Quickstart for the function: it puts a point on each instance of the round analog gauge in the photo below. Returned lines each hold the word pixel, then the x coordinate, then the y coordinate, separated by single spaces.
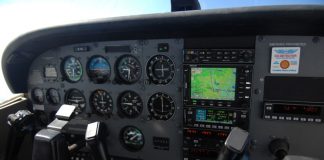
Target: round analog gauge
pixel 160 69
pixel 72 69
pixel 99 69
pixel 53 96
pixel 76 98
pixel 101 102
pixel 132 138
pixel 130 104
pixel 129 69
pixel 161 106
pixel 38 95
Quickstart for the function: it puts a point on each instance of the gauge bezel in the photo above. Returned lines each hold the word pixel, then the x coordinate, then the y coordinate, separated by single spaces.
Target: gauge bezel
pixel 118 75
pixel 150 73
pixel 121 138
pixel 95 109
pixel 159 116
pixel 120 110
pixel 33 96
pixel 64 74
pixel 68 92
pixel 92 78
pixel 49 99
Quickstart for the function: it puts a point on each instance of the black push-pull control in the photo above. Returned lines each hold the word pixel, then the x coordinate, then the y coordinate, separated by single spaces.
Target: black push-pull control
pixel 279 148
pixel 94 137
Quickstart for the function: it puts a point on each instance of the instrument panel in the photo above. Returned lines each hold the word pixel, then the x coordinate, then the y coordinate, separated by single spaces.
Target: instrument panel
pixel 132 86
pixel 165 99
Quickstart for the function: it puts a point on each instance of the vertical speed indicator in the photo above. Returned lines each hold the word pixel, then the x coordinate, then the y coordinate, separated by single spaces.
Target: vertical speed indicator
pixel 130 104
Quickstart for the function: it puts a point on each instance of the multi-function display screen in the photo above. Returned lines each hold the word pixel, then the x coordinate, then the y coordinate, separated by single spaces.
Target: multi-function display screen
pixel 297 110
pixel 213 83
pixel 214 116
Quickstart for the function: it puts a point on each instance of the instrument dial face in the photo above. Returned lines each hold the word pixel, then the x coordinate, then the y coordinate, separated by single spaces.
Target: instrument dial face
pixel 38 96
pixel 102 102
pixel 99 69
pixel 72 69
pixel 130 104
pixel 132 138
pixel 161 106
pixel 160 69
pixel 53 96
pixel 76 98
pixel 129 69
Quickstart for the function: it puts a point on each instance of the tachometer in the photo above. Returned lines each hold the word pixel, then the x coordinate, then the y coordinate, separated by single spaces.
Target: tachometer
pixel 101 102
pixel 132 138
pixel 130 104
pixel 76 98
pixel 160 69
pixel 72 69
pixel 129 69
pixel 99 69
pixel 161 106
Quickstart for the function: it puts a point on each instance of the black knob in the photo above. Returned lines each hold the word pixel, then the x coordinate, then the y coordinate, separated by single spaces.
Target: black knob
pixel 279 148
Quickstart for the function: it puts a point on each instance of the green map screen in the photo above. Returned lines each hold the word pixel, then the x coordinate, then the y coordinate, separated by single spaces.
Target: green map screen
pixel 213 83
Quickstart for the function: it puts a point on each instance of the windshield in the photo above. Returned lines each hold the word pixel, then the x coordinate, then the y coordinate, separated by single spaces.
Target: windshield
pixel 18 16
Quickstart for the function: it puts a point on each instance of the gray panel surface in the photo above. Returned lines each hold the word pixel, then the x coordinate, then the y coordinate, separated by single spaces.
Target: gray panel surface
pixel 305 138
pixel 143 50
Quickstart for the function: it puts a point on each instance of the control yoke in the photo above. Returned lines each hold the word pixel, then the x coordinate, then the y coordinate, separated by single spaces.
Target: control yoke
pixel 51 143
pixel 21 123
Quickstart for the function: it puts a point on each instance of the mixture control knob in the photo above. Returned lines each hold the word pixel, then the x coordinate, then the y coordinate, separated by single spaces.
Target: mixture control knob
pixel 279 148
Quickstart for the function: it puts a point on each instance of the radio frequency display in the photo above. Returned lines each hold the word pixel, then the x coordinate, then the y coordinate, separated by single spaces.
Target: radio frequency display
pixel 213 83
pixel 214 116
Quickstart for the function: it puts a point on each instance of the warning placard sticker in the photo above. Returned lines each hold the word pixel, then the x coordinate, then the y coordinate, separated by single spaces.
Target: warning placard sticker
pixel 285 60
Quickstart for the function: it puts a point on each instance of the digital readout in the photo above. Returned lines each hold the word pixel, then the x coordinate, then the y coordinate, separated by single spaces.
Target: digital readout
pixel 214 116
pixel 297 109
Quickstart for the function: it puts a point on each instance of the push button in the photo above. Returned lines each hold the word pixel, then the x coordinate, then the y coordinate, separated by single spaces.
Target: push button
pixel 163 47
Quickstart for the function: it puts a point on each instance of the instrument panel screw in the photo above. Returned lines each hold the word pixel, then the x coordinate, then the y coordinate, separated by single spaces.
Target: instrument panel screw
pixel 316 39
pixel 260 38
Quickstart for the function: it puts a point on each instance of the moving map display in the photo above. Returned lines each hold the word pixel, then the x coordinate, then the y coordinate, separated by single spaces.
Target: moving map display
pixel 213 83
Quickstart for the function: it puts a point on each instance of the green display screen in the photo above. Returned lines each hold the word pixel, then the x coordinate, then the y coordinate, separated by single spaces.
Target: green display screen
pixel 213 83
